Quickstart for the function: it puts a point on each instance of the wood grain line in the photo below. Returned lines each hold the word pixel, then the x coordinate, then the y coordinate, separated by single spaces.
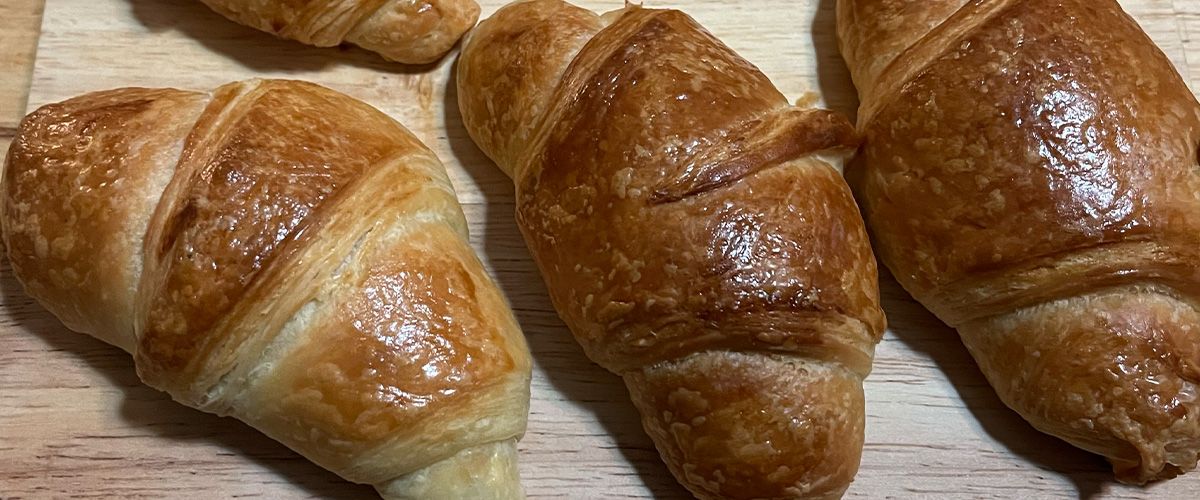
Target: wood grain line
pixel 20 26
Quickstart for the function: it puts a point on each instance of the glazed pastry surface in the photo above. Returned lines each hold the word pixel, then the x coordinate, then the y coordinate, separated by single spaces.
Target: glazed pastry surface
pixel 695 234
pixel 286 255
pixel 1030 175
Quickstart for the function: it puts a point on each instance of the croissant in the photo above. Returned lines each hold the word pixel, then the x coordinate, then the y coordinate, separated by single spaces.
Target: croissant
pixel 1030 175
pixel 286 255
pixel 406 31
pixel 694 234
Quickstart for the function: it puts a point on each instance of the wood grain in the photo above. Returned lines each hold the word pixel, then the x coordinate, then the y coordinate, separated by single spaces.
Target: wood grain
pixel 20 23
pixel 74 420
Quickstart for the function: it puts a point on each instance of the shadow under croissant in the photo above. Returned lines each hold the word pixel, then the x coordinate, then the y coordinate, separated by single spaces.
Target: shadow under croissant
pixel 572 374
pixel 833 78
pixel 254 49
pixel 154 412
pixel 925 334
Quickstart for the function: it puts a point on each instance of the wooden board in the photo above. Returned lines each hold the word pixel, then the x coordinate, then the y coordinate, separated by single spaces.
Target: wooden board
pixel 74 420
pixel 20 21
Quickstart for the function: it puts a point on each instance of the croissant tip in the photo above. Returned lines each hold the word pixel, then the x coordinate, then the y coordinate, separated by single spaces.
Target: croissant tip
pixel 1143 472
pixel 485 471
pixel 721 418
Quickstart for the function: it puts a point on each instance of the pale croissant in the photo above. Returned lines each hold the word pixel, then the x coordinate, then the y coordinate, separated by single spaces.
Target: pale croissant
pixel 694 234
pixel 406 31
pixel 286 255
pixel 1030 175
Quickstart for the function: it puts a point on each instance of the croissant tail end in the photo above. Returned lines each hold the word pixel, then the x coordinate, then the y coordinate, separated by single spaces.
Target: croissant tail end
pixel 753 425
pixel 487 471
pixel 1116 373
pixel 401 33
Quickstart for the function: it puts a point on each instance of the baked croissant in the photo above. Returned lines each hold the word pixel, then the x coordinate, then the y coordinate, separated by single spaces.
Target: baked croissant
pixel 694 235
pixel 1030 175
pixel 286 255
pixel 406 31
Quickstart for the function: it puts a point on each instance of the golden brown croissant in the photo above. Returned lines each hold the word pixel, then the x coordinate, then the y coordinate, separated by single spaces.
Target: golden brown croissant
pixel 694 235
pixel 407 31
pixel 1030 175
pixel 286 255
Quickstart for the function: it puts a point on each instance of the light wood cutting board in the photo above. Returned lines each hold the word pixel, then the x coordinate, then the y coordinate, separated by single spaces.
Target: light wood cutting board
pixel 74 420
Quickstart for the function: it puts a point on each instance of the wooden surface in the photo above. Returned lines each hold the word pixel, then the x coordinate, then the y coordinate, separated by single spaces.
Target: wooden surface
pixel 20 21
pixel 74 420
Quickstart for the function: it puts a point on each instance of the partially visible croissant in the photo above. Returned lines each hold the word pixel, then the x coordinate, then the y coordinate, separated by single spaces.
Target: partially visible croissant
pixel 286 255
pixel 1030 174
pixel 406 31
pixel 694 234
